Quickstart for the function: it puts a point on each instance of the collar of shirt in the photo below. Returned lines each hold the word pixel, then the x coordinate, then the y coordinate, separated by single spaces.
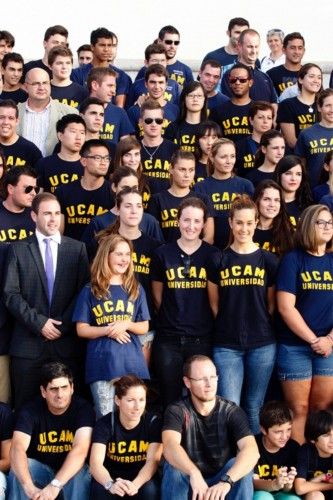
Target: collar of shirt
pixel 41 237
pixel 27 107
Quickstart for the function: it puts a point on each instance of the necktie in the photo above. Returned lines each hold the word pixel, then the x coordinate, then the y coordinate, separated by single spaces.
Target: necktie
pixel 49 270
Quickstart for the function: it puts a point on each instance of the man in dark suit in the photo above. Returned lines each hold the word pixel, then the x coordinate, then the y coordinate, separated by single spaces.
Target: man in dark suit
pixel 44 275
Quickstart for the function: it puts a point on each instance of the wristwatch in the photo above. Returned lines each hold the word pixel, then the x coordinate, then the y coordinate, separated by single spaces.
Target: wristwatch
pixel 108 485
pixel 56 483
pixel 227 479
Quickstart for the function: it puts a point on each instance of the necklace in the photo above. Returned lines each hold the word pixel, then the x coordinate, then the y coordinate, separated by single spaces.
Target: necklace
pixel 310 109
pixel 151 155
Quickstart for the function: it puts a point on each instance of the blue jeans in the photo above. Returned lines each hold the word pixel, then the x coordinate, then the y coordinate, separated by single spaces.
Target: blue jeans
pixel 78 487
pixel 176 485
pixel 251 368
pixel 3 485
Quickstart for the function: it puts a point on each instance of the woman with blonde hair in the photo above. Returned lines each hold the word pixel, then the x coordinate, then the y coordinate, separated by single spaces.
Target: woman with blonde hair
pixel 111 312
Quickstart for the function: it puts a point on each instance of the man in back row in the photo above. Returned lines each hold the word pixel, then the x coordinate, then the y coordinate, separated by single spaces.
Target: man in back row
pixel 200 437
pixel 248 51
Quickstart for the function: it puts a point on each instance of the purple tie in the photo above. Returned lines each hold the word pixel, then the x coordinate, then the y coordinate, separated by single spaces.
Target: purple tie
pixel 49 267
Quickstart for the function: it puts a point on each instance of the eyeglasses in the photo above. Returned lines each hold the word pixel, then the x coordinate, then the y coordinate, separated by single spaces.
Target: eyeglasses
pixel 187 264
pixel 171 42
pixel 323 224
pixel 39 84
pixel 195 96
pixel 28 189
pixel 99 158
pixel 238 79
pixel 211 379
pixel 149 121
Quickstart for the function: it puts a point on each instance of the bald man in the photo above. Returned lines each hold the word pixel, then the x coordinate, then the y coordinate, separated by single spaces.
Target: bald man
pixel 39 114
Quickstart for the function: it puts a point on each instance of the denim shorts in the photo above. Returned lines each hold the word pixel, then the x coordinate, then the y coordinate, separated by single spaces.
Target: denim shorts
pixel 300 362
pixel 146 340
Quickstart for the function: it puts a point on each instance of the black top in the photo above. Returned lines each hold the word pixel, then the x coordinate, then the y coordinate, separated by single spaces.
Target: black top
pixel 269 463
pixel 185 308
pixel 52 435
pixel 211 440
pixel 243 320
pixel 126 449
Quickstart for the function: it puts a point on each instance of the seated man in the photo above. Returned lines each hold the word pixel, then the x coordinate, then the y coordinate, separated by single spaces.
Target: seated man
pixel 200 437
pixel 51 441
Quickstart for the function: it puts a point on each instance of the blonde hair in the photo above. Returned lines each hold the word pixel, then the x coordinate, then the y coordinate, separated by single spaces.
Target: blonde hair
pixel 101 272
pixel 214 150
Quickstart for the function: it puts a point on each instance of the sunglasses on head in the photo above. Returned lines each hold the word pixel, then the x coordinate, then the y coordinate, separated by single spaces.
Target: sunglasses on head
pixel 149 121
pixel 171 42
pixel 28 189
pixel 238 79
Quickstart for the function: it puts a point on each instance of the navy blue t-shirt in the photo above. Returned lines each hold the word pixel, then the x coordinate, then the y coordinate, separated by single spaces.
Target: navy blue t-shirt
pixel 233 120
pixel 72 95
pixel 156 163
pixel 282 78
pixel 20 153
pixel 80 205
pixel 53 172
pixel 17 96
pixel 220 55
pixel 164 207
pixel 294 111
pixel 256 176
pixel 221 193
pixel 216 102
pixel 106 358
pixel 310 279
pixel 328 201
pixel 245 153
pixel 312 144
pixel 15 226
pixel 319 191
pixel 116 124
pixel 243 320
pixel 148 225
pixel 183 134
pixel 185 307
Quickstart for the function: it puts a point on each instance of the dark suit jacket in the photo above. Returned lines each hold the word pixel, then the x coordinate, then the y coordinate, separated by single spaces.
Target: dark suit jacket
pixel 26 297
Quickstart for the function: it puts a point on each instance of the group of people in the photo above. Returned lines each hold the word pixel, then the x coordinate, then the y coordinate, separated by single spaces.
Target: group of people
pixel 169 238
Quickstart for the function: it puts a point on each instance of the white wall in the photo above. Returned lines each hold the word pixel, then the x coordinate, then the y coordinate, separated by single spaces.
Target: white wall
pixel 202 23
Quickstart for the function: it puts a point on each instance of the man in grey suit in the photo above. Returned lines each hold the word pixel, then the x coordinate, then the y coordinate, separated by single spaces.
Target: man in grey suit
pixel 39 114
pixel 44 275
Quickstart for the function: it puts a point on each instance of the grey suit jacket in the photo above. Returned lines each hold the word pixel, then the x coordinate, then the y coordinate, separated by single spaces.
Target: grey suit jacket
pixel 26 296
pixel 57 111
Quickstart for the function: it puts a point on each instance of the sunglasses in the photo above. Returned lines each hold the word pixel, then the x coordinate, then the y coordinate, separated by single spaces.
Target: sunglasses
pixel 28 189
pixel 149 121
pixel 171 42
pixel 238 79
pixel 187 264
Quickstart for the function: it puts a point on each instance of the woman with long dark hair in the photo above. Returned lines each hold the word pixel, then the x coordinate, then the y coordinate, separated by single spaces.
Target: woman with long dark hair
pixel 291 175
pixel 271 150
pixel 274 231
pixel 193 111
